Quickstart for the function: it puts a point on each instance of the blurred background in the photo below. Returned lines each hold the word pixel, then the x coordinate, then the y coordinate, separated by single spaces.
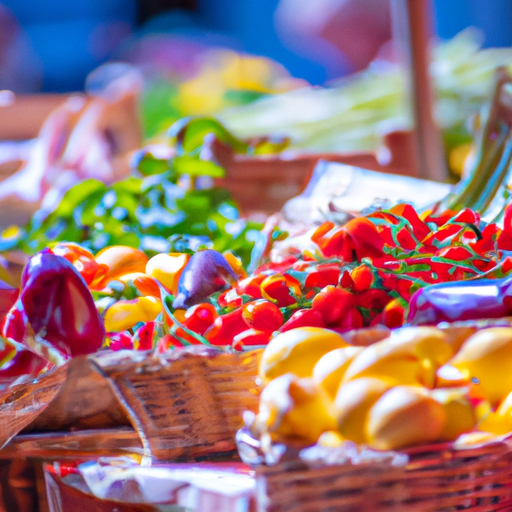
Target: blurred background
pixel 51 46
pixel 323 73
pixel 327 77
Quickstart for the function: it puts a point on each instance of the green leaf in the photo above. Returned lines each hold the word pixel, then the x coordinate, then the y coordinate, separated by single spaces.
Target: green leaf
pixel 149 164
pixel 195 167
pixel 77 195
pixel 190 134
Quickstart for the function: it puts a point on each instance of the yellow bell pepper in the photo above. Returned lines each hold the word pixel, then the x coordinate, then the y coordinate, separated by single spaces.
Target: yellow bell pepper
pixel 167 269
pixel 125 314
pixel 120 260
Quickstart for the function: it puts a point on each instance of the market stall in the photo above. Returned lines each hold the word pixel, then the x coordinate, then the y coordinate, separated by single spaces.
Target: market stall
pixel 215 318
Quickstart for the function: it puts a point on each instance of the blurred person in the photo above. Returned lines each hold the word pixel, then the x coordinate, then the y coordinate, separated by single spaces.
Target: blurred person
pixel 358 29
pixel 90 136
pixel 350 31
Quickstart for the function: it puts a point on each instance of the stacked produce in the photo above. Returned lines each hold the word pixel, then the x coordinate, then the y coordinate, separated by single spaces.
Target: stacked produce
pixel 188 79
pixel 375 270
pixel 419 385
pixel 359 334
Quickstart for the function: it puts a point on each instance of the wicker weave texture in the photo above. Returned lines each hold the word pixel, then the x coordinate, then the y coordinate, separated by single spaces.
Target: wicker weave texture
pixel 438 478
pixel 188 406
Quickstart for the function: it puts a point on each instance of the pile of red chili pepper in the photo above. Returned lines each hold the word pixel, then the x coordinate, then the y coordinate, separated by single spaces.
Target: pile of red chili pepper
pixel 364 273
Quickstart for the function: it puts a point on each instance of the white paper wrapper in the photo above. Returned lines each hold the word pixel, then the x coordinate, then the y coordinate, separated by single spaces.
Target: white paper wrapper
pixel 187 487
pixel 351 189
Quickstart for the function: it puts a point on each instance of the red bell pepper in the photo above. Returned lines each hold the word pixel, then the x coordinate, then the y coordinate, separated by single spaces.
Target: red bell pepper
pixel 57 305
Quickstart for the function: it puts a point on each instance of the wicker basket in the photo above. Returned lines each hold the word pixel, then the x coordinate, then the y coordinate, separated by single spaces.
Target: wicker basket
pixel 265 183
pixel 122 487
pixel 433 478
pixel 184 404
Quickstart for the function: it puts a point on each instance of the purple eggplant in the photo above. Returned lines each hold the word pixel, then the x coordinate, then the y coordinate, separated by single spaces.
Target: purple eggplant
pixel 206 272
pixel 461 300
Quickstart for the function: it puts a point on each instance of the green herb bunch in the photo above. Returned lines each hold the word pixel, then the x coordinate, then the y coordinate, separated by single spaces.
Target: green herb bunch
pixel 169 204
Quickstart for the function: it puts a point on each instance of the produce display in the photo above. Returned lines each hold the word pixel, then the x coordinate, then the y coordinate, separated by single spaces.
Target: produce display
pixel 171 201
pixel 388 331
pixel 353 114
pixel 186 78
pixel 420 385
pixel 384 268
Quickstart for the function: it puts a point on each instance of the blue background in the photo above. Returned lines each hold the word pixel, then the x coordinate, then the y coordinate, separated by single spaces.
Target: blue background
pixel 61 30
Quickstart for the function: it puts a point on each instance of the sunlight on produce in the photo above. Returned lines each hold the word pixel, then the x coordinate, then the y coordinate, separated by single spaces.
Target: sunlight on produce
pixel 256 256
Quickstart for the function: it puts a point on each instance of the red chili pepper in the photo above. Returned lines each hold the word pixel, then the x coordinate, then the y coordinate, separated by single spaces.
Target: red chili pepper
pixel 365 237
pixel 199 319
pixel 262 315
pixel 391 219
pixel 443 233
pixel 440 219
pixel 333 304
pixel 484 266
pixel 466 216
pixel 276 288
pixel 82 260
pixel 353 320
pixel 230 299
pixel 393 314
pixel 332 241
pixel 120 341
pixel 490 234
pixel 362 278
pixel 359 238
pixel 373 299
pixel 376 320
pixel 405 239
pixel 505 237
pixel 303 318
pixel 346 281
pixel 277 266
pixel 251 286
pixel 147 286
pixel 397 283
pixel 455 253
pixel 323 275
pixel 506 266
pixel 167 342
pixel 251 338
pixel 420 228
pixel 145 336
pixel 225 328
